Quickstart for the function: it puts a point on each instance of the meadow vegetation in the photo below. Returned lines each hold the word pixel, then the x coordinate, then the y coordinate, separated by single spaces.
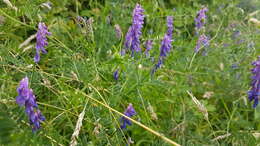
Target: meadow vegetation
pixel 194 97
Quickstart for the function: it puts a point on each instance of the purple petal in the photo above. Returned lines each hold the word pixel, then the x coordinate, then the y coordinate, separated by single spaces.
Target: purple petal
pixel 170 26
pixel 129 112
pixel 116 75
pixel 20 100
pixel 254 93
pixel 44 51
pixel 41 40
pixel 37 57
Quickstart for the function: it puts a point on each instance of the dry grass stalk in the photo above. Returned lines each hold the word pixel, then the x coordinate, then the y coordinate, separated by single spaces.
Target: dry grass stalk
pixel 132 120
pixel 28 47
pixel 97 128
pixel 46 82
pixel 74 76
pixel 208 94
pixel 221 66
pixel 199 105
pixel 153 114
pixel 2 21
pixel 221 137
pixel 46 5
pixel 9 4
pixel 130 141
pixel 75 134
pixel 254 13
pixel 254 21
pixel 256 135
pixel 178 129
pixel 89 28
pixel 27 41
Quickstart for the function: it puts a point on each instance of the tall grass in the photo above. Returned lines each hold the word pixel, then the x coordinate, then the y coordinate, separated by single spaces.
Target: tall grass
pixel 76 75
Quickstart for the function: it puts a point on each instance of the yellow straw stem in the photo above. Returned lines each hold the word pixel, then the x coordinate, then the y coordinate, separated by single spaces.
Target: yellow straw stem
pixel 134 121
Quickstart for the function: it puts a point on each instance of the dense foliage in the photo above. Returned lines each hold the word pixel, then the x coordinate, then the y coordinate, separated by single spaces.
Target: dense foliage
pixel 193 98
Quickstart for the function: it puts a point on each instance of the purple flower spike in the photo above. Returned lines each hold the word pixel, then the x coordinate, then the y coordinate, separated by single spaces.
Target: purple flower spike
pixel 118 31
pixel 201 18
pixel 116 75
pixel 166 46
pixel 254 93
pixel 170 26
pixel 35 118
pixel 23 91
pixel 129 112
pixel 132 39
pixel 148 45
pixel 41 41
pixel 128 40
pixel 203 41
pixel 158 65
pixel 27 98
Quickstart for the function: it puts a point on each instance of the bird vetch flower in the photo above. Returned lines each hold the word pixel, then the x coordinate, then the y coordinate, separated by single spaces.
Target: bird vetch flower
pixel 254 93
pixel 166 44
pixel 201 18
pixel 41 41
pixel 129 112
pixel 132 39
pixel 116 75
pixel 169 26
pixel 148 45
pixel 27 98
pixel 203 41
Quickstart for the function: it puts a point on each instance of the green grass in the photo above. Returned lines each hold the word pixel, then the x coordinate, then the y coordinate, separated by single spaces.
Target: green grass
pixel 79 67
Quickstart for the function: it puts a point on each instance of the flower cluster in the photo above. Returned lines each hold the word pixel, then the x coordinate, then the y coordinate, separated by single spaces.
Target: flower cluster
pixel 166 46
pixel 166 43
pixel 203 41
pixel 129 112
pixel 200 20
pixel 27 98
pixel 132 40
pixel 41 41
pixel 148 46
pixel 169 26
pixel 254 93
